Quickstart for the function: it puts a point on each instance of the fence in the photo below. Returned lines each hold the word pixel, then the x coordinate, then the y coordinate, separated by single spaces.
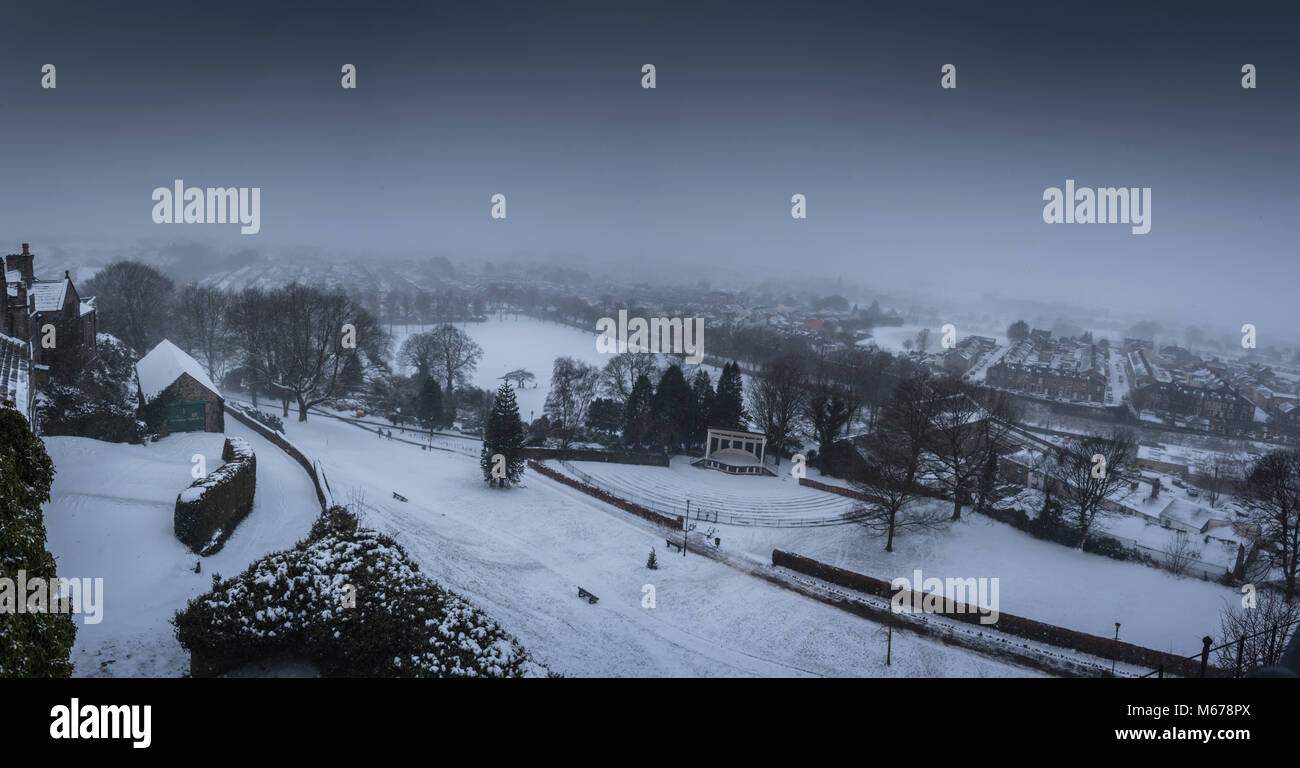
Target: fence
pixel 1273 650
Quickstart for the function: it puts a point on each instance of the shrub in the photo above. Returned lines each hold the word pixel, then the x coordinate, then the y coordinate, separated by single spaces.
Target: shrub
pixel 31 644
pixel 398 623
pixel 208 511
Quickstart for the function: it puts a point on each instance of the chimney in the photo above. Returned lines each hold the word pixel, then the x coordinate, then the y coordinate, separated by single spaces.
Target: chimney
pixel 23 263
pixel 25 251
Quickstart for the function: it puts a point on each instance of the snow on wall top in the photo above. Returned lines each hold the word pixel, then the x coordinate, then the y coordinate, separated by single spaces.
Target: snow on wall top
pixel 13 372
pixel 163 365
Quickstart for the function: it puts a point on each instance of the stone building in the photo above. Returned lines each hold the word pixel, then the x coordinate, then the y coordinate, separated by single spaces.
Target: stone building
pixel 58 324
pixel 176 394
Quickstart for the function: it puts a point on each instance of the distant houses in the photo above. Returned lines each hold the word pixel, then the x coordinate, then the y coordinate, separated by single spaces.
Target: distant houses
pixel 176 393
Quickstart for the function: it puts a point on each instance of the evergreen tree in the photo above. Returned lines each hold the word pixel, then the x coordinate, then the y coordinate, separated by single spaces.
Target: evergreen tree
pixel 637 419
pixel 729 402
pixel 672 409
pixel 702 399
pixel 504 434
pixel 428 404
pixel 32 644
pixel 652 562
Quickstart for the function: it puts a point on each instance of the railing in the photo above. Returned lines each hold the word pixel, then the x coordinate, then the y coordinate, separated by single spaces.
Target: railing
pixel 1276 644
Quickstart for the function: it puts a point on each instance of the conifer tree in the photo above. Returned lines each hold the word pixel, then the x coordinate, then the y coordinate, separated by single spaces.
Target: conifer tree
pixel 33 643
pixel 729 402
pixel 504 434
pixel 428 405
pixel 637 418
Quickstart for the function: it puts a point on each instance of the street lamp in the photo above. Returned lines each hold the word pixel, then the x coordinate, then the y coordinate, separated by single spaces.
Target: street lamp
pixel 1112 658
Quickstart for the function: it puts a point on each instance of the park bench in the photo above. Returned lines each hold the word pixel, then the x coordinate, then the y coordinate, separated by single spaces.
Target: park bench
pixel 398 496
pixel 587 596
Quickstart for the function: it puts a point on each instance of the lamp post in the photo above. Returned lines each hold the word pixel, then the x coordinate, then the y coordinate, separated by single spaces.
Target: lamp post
pixel 1112 658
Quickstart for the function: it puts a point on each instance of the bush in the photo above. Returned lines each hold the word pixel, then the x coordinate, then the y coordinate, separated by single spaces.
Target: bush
pixel 351 600
pixel 208 511
pixel 267 419
pixel 31 644
pixel 95 400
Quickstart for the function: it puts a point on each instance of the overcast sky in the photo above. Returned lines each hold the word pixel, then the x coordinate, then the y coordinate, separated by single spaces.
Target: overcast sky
pixel 907 184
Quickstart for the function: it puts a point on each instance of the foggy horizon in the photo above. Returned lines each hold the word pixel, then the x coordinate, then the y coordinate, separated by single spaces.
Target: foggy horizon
pixel 910 188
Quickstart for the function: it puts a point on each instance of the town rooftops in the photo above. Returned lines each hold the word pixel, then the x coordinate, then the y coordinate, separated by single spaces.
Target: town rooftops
pixel 164 365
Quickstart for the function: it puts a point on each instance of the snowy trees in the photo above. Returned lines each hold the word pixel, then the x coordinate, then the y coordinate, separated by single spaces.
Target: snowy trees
pixel 1017 331
pixel 887 485
pixel 1272 494
pixel 134 302
pixel 503 436
pixel 672 405
pixel 446 352
pixel 32 643
pixel 573 387
pixel 292 339
pixel 729 401
pixel 637 417
pixel 203 326
pixel 428 405
pixel 776 400
pixel 620 374
pixel 1088 477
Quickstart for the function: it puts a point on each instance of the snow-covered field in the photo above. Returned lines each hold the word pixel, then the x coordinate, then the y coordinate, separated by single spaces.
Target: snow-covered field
pixel 519 343
pixel 110 517
pixel 1039 579
pixel 521 554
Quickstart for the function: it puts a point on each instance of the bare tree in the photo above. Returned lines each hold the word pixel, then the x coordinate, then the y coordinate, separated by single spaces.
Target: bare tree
pixel 776 400
pixel 134 302
pixel 888 491
pixel 1089 477
pixel 621 372
pixel 573 387
pixel 203 315
pixel 1272 494
pixel 1181 554
pixel 1266 627
pixel 455 356
pixel 957 438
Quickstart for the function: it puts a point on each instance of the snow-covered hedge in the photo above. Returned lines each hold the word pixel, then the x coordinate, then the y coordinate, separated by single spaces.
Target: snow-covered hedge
pixel 208 511
pixel 353 602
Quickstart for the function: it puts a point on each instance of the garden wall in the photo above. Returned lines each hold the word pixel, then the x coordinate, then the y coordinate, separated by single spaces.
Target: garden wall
pixel 208 511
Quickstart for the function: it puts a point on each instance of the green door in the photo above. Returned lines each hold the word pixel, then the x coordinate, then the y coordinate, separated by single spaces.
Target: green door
pixel 188 416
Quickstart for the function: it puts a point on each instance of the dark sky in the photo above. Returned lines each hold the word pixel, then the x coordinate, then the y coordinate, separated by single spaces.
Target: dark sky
pixel 908 184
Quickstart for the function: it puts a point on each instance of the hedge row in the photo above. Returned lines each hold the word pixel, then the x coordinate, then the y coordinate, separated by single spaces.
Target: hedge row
pixel 605 496
pixel 1103 647
pixel 208 511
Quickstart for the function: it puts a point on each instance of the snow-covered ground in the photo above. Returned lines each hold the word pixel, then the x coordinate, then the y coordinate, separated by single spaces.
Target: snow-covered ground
pixel 1039 579
pixel 110 517
pixel 512 343
pixel 521 554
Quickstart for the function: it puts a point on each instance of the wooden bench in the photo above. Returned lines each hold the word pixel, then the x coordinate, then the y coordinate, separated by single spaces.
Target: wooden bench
pixel 673 545
pixel 587 596
pixel 398 496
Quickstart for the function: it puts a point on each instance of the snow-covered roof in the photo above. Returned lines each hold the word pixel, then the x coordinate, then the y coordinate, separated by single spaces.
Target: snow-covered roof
pixel 14 362
pixel 164 365
pixel 49 294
